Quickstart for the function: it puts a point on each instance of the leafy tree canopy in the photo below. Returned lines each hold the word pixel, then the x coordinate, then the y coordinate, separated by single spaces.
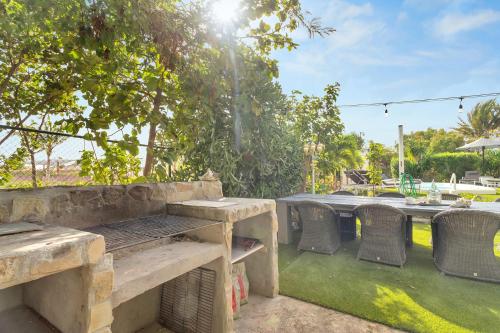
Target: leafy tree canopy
pixel 482 121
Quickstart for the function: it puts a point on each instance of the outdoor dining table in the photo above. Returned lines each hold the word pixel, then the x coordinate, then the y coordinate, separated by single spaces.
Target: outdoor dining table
pixel 344 203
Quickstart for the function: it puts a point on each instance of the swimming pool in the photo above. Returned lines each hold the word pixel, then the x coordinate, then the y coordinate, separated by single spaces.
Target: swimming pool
pixel 461 188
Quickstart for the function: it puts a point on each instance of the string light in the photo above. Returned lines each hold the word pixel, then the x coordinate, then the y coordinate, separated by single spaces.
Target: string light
pixel 386 112
pixel 461 107
pixel 425 100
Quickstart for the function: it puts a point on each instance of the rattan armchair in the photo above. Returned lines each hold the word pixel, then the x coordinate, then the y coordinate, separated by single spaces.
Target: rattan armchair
pixel 463 244
pixel 449 196
pixel 342 193
pixel 391 195
pixel 382 234
pixel 347 221
pixel 320 227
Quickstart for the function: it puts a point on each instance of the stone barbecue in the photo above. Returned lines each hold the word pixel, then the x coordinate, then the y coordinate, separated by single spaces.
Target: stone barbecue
pixel 134 258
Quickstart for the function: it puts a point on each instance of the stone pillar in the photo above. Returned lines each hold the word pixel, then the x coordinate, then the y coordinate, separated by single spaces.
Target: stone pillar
pixel 261 266
pixel 99 278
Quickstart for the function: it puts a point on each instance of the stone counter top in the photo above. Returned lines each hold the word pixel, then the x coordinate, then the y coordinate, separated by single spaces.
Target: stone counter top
pixel 32 255
pixel 228 210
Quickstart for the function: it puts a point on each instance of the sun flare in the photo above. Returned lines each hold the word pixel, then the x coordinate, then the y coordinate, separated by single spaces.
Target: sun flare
pixel 226 11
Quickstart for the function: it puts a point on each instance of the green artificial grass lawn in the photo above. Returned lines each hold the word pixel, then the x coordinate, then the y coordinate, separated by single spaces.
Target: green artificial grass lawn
pixel 415 298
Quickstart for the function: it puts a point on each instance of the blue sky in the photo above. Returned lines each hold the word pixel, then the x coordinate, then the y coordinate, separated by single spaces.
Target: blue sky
pixel 393 50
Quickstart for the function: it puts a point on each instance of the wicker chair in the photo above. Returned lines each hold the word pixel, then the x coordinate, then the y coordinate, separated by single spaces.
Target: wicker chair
pixel 347 221
pixel 342 193
pixel 382 234
pixel 391 195
pixel 320 227
pixel 449 196
pixel 463 244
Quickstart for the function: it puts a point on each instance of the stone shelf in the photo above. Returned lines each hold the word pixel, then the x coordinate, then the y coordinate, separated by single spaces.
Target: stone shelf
pixel 24 320
pixel 28 256
pixel 239 253
pixel 144 270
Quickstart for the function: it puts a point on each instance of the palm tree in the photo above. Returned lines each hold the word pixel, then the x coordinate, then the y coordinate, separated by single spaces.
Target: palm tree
pixel 482 121
pixel 340 154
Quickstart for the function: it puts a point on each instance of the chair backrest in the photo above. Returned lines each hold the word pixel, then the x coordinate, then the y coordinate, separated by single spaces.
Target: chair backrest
pixel 497 200
pixel 473 224
pixel 342 193
pixel 391 195
pixel 449 196
pixel 472 175
pixel 383 216
pixel 316 211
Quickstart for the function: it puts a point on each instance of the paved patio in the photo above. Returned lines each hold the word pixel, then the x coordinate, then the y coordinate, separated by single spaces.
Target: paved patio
pixel 285 314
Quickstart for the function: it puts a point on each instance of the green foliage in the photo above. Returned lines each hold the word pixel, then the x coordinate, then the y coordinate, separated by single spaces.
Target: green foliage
pixel 317 120
pixel 201 133
pixel 419 144
pixel 375 162
pixel 482 121
pixel 11 163
pixel 341 153
pixel 411 168
pixel 163 65
pixel 441 166
pixel 492 163
pixel 117 167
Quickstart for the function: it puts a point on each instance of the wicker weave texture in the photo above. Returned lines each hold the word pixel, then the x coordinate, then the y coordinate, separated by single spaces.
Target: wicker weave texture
pixel 320 227
pixel 382 234
pixel 391 195
pixel 449 196
pixel 187 302
pixel 342 193
pixel 463 242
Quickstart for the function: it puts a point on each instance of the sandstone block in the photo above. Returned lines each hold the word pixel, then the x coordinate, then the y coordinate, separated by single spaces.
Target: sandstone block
pixel 66 257
pixel 4 213
pixel 96 250
pixel 101 316
pixel 87 198
pixel 102 286
pixel 60 205
pixel 184 187
pixel 8 269
pixel 159 194
pixel 212 189
pixel 29 208
pixel 103 330
pixel 113 195
pixel 140 192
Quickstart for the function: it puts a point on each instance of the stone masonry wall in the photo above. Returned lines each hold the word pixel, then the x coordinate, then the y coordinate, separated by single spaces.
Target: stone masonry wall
pixel 80 207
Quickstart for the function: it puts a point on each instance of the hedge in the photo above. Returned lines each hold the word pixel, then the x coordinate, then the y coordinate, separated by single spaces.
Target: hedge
pixel 440 166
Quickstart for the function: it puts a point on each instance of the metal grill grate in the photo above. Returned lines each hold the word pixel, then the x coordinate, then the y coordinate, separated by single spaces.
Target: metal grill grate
pixel 161 225
pixel 118 239
pixel 135 231
pixel 187 302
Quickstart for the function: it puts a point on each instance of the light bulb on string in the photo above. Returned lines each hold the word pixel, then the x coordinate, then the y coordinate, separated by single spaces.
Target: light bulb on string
pixel 461 107
pixel 386 112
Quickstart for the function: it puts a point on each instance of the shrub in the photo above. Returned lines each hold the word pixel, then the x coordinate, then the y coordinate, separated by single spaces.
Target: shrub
pixel 440 166
pixel 411 168
pixel 492 163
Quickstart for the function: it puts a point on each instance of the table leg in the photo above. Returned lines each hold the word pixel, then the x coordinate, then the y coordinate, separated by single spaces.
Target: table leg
pixel 284 223
pixel 409 231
